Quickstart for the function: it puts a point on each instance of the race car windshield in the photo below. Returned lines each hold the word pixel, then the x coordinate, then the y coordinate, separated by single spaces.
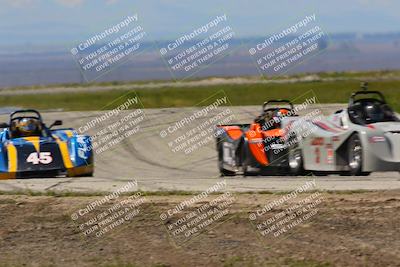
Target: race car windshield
pixel 367 112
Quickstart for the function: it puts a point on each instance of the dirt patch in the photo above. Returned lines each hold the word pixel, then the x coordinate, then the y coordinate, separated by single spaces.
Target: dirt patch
pixel 359 229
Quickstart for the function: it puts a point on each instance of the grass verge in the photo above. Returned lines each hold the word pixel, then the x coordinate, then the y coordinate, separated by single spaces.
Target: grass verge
pixel 251 94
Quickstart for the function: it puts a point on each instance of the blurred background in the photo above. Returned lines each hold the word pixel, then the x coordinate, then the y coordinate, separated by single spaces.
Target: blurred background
pixel 36 36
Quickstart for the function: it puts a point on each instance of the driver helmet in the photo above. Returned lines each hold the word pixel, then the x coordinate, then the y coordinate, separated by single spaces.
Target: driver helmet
pixel 279 115
pixel 373 113
pixel 283 112
pixel 28 127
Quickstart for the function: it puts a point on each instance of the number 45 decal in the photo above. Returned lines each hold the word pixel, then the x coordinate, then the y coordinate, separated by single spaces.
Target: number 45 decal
pixel 42 158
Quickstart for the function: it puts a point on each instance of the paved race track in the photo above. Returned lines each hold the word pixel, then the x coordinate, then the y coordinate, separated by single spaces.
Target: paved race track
pixel 149 159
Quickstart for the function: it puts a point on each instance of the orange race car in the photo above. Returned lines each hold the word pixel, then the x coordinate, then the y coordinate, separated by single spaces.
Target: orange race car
pixel 256 148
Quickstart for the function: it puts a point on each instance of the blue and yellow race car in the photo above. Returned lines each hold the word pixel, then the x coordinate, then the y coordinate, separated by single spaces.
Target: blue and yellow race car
pixel 28 148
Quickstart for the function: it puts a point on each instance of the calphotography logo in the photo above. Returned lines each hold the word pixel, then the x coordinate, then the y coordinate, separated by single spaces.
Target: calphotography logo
pixel 280 217
pixel 196 130
pixel 199 48
pixel 121 120
pixel 110 212
pixel 109 48
pixel 199 133
pixel 282 50
pixel 198 214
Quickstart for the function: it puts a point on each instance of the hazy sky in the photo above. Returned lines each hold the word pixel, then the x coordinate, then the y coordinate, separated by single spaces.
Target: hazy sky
pixel 70 21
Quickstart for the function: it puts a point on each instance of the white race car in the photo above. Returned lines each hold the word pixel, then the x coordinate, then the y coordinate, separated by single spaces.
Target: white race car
pixel 357 140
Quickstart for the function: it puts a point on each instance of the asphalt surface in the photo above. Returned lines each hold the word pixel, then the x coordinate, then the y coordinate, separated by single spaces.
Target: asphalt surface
pixel 161 164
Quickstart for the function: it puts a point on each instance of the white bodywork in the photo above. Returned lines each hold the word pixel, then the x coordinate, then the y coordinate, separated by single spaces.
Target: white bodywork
pixel 323 142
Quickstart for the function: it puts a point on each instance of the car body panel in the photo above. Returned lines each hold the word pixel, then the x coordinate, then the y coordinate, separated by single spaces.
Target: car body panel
pixel 325 148
pixel 58 152
pixel 323 141
pixel 252 146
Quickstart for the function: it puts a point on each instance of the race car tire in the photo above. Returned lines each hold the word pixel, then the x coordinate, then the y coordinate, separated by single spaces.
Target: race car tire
pixel 319 173
pixel 246 172
pixel 295 160
pixel 89 174
pixel 243 156
pixel 355 156
pixel 349 174
pixel 222 170
pixel 245 166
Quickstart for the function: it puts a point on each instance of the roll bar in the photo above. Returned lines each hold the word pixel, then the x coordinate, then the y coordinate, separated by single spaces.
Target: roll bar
pixel 353 96
pixel 277 101
pixel 38 116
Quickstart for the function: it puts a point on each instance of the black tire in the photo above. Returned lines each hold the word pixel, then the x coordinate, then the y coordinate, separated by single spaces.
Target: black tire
pixel 222 171
pixel 245 167
pixel 243 156
pixel 295 160
pixel 88 175
pixel 320 173
pixel 355 156
pixel 245 171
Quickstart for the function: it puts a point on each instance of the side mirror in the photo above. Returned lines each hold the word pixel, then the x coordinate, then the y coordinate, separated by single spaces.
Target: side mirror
pixel 56 123
pixel 4 125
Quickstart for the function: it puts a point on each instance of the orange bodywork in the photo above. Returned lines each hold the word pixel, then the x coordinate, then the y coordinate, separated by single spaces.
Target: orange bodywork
pixel 284 111
pixel 255 136
pixel 255 139
pixel 233 132
pixel 273 133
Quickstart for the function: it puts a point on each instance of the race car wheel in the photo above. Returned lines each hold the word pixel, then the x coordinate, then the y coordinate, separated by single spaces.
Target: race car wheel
pixel 245 171
pixel 245 165
pixel 355 153
pixel 222 170
pixel 295 160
